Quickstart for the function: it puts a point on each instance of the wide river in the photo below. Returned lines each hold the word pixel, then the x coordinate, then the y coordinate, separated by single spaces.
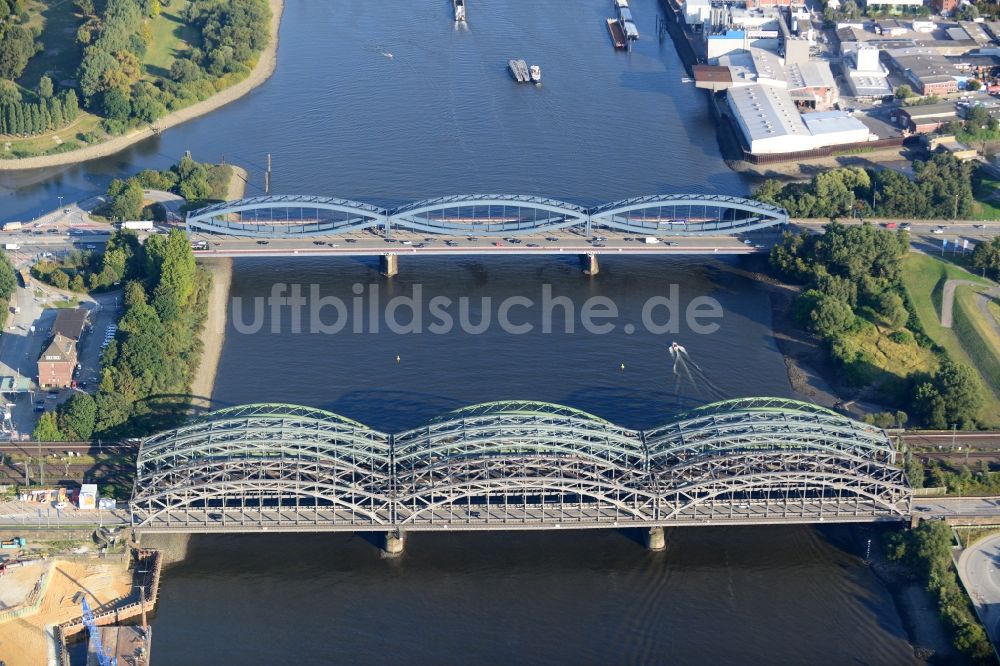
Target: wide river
pixel 340 117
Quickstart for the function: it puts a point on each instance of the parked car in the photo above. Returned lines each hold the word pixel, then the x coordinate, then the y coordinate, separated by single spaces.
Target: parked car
pixel 938 230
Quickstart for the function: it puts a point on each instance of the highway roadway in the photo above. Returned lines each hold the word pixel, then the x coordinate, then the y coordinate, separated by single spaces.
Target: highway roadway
pixel 979 569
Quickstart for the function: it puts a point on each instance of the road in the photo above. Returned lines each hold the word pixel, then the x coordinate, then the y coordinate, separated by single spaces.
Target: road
pixel 979 569
pixel 956 507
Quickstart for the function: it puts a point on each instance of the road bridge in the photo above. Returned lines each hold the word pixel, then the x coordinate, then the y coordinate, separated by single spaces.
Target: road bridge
pixel 516 465
pixel 298 225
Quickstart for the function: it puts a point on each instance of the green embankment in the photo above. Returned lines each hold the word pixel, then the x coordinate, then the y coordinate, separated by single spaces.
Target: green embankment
pixel 977 335
pixel 924 277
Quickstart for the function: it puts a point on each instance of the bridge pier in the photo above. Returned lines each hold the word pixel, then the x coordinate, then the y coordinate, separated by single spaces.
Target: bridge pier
pixel 394 542
pixel 590 265
pixel 389 264
pixel 656 539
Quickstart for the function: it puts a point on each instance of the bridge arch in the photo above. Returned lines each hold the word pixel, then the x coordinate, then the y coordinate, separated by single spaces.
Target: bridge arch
pixel 286 216
pixel 487 215
pixel 686 215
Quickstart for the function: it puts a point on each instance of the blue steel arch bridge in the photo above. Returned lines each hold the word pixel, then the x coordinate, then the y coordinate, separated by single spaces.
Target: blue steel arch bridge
pixel 304 216
pixel 516 465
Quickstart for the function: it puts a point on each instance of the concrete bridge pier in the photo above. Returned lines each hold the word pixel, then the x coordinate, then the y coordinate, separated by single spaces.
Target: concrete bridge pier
pixel 656 539
pixel 590 265
pixel 394 541
pixel 389 264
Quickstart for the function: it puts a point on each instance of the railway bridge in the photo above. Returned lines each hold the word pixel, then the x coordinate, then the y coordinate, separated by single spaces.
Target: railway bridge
pixel 290 225
pixel 516 465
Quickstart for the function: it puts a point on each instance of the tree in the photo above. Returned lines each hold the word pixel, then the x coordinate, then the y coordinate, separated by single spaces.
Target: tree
pixel 961 391
pixel 45 89
pixel 986 257
pixel 891 309
pixel 126 204
pixel 16 48
pixel 973 85
pixel 47 430
pixel 904 91
pixel 830 317
pixel 9 93
pixel 78 415
pixel 117 105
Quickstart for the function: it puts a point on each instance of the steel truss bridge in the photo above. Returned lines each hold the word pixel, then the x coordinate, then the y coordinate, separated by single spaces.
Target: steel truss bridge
pixel 297 216
pixel 516 465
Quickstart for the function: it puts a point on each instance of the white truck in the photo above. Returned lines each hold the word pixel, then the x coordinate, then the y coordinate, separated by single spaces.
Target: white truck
pixel 138 225
pixel 11 246
pixel 12 226
pixel 650 240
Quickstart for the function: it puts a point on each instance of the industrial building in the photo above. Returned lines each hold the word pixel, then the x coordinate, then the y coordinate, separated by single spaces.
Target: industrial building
pixel 768 119
pixel 926 118
pixel 929 72
pixel 866 78
pixel 770 122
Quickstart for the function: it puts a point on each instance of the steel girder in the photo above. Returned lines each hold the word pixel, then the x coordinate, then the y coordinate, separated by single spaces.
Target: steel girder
pixel 518 463
pixel 488 215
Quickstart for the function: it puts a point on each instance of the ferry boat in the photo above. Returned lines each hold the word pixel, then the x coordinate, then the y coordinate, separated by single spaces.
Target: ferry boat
pixel 536 74
pixel 459 6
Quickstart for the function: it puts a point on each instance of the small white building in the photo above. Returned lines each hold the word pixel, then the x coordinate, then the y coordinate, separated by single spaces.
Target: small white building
pixel 834 128
pixel 697 11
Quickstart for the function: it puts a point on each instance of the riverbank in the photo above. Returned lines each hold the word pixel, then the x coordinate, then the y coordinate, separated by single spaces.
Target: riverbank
pixel 213 334
pixel 261 72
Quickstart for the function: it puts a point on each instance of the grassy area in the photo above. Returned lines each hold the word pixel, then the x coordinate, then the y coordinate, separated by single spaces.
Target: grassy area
pixel 69 303
pixel 924 277
pixel 889 362
pixel 72 136
pixel 984 189
pixel 60 55
pixel 977 335
pixel 170 37
pixel 994 308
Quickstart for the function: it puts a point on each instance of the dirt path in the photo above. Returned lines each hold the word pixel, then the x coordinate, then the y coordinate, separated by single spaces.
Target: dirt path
pixel 948 301
pixel 261 72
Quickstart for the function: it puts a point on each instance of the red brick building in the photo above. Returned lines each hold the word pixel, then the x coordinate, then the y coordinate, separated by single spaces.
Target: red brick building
pixel 57 363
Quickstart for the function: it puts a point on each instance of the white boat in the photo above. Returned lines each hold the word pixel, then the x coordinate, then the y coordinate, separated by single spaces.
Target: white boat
pixel 675 349
pixel 459 10
pixel 536 74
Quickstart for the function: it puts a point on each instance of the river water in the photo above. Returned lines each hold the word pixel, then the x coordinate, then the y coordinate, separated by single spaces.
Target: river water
pixel 342 118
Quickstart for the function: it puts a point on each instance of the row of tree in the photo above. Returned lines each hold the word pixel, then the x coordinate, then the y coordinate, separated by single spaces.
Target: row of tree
pixel 852 276
pixel 941 188
pixel 194 181
pixel 50 112
pixel 148 367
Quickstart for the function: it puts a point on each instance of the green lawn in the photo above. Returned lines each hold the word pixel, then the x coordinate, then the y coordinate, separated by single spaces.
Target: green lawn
pixel 60 55
pixel 170 37
pixel 984 189
pixel 924 277
pixel 977 335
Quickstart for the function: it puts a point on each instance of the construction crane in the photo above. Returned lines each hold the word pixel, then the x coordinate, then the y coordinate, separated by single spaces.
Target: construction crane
pixel 95 636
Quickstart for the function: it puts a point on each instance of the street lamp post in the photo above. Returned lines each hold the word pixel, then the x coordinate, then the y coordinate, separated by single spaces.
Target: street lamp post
pixel 60 201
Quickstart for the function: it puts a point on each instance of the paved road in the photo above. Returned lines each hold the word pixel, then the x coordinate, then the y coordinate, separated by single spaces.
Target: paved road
pixel 956 507
pixel 979 568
